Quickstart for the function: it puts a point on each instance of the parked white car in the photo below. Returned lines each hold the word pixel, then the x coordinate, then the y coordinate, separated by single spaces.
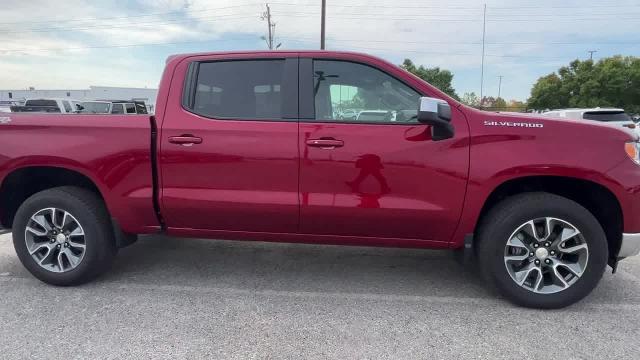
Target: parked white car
pixel 113 107
pixel 611 116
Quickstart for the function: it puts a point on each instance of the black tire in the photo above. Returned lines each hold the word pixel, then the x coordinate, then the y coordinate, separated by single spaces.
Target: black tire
pixel 90 212
pixel 501 221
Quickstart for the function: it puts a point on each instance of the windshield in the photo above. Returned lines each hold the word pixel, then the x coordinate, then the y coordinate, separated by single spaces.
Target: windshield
pixel 607 116
pixel 95 107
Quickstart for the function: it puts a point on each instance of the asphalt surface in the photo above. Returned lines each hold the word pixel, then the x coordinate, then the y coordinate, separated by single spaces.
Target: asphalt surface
pixel 174 298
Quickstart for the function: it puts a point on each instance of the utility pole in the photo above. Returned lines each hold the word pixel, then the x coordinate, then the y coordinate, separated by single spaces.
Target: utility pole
pixel 484 33
pixel 499 85
pixel 271 26
pixel 591 53
pixel 322 23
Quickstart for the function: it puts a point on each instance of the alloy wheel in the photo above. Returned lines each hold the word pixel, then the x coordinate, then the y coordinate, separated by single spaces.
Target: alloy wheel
pixel 546 255
pixel 55 240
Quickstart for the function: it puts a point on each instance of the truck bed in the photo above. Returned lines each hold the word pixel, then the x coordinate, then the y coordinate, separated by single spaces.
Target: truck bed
pixel 113 151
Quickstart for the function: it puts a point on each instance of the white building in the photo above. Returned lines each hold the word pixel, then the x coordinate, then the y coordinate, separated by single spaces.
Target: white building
pixel 93 93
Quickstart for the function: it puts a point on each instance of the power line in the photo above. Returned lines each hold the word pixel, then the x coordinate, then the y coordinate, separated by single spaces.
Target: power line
pixel 143 24
pixel 179 12
pixel 186 11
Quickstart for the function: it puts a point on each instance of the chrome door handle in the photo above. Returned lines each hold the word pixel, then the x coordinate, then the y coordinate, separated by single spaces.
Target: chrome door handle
pixel 325 143
pixel 185 140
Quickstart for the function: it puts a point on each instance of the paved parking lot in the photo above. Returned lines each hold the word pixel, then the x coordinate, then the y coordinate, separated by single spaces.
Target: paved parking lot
pixel 168 298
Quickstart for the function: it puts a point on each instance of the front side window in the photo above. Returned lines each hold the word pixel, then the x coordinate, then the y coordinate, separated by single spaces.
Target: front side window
pixel 351 92
pixel 239 89
pixel 131 108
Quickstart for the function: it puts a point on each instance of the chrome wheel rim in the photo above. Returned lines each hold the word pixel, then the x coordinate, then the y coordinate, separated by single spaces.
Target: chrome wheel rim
pixel 546 255
pixel 55 240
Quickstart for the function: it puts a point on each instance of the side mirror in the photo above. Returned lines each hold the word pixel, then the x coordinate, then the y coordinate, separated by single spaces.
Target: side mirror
pixel 437 113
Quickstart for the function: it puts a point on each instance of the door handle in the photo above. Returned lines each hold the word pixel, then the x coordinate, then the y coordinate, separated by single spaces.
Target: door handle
pixel 185 140
pixel 325 143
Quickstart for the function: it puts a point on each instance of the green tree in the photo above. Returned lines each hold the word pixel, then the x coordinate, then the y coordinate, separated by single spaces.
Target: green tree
pixel 471 99
pixel 500 104
pixel 613 81
pixel 437 77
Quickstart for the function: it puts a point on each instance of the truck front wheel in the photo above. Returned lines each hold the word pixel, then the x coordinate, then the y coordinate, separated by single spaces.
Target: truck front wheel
pixel 63 236
pixel 541 250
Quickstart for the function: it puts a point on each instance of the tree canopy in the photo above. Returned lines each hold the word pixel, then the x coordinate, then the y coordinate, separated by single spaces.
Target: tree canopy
pixel 610 82
pixel 437 77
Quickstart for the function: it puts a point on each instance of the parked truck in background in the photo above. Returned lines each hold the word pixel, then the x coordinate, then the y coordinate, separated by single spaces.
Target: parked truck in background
pixel 49 105
pixel 247 146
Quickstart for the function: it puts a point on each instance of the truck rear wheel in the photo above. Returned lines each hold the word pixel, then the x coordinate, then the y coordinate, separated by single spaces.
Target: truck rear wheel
pixel 541 250
pixel 63 236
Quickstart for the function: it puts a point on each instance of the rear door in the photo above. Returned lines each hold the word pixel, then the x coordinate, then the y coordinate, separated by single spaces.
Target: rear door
pixel 229 151
pixel 379 175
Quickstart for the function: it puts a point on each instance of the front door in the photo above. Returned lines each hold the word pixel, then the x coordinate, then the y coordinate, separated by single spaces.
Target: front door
pixel 229 152
pixel 377 173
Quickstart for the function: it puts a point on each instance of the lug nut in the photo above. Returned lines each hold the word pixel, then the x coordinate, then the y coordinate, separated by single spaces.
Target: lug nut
pixel 537 262
pixel 547 261
pixel 531 254
pixel 58 246
pixel 535 245
pixel 552 252
pixel 66 244
pixel 547 244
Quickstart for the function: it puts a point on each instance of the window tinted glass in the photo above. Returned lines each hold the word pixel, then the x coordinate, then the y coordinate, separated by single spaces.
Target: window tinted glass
pixel 607 116
pixel 95 107
pixel 346 91
pixel 41 102
pixel 67 106
pixel 117 109
pixel 131 109
pixel 240 89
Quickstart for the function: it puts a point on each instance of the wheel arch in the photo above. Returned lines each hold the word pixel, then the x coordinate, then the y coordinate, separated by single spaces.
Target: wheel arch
pixel 596 198
pixel 22 182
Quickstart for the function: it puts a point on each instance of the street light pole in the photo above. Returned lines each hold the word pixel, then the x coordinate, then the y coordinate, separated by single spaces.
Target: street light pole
pixel 484 33
pixel 322 23
pixel 499 85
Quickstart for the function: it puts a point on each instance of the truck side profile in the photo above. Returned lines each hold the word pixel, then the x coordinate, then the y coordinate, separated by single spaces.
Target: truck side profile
pixel 251 146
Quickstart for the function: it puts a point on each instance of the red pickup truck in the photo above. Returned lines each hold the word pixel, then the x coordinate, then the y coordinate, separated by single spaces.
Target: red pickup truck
pixel 254 146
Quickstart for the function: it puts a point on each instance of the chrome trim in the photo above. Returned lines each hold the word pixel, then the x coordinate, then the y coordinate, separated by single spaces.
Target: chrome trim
pixel 630 245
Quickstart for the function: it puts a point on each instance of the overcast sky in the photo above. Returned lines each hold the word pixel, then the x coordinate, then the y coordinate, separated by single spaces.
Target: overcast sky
pixel 72 44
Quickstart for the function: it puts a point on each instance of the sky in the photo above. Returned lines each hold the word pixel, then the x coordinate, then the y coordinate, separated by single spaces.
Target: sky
pixel 72 44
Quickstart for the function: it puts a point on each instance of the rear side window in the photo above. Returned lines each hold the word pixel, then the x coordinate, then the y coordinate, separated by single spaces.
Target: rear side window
pixel 243 89
pixel 117 109
pixel 607 116
pixel 41 103
pixel 131 109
